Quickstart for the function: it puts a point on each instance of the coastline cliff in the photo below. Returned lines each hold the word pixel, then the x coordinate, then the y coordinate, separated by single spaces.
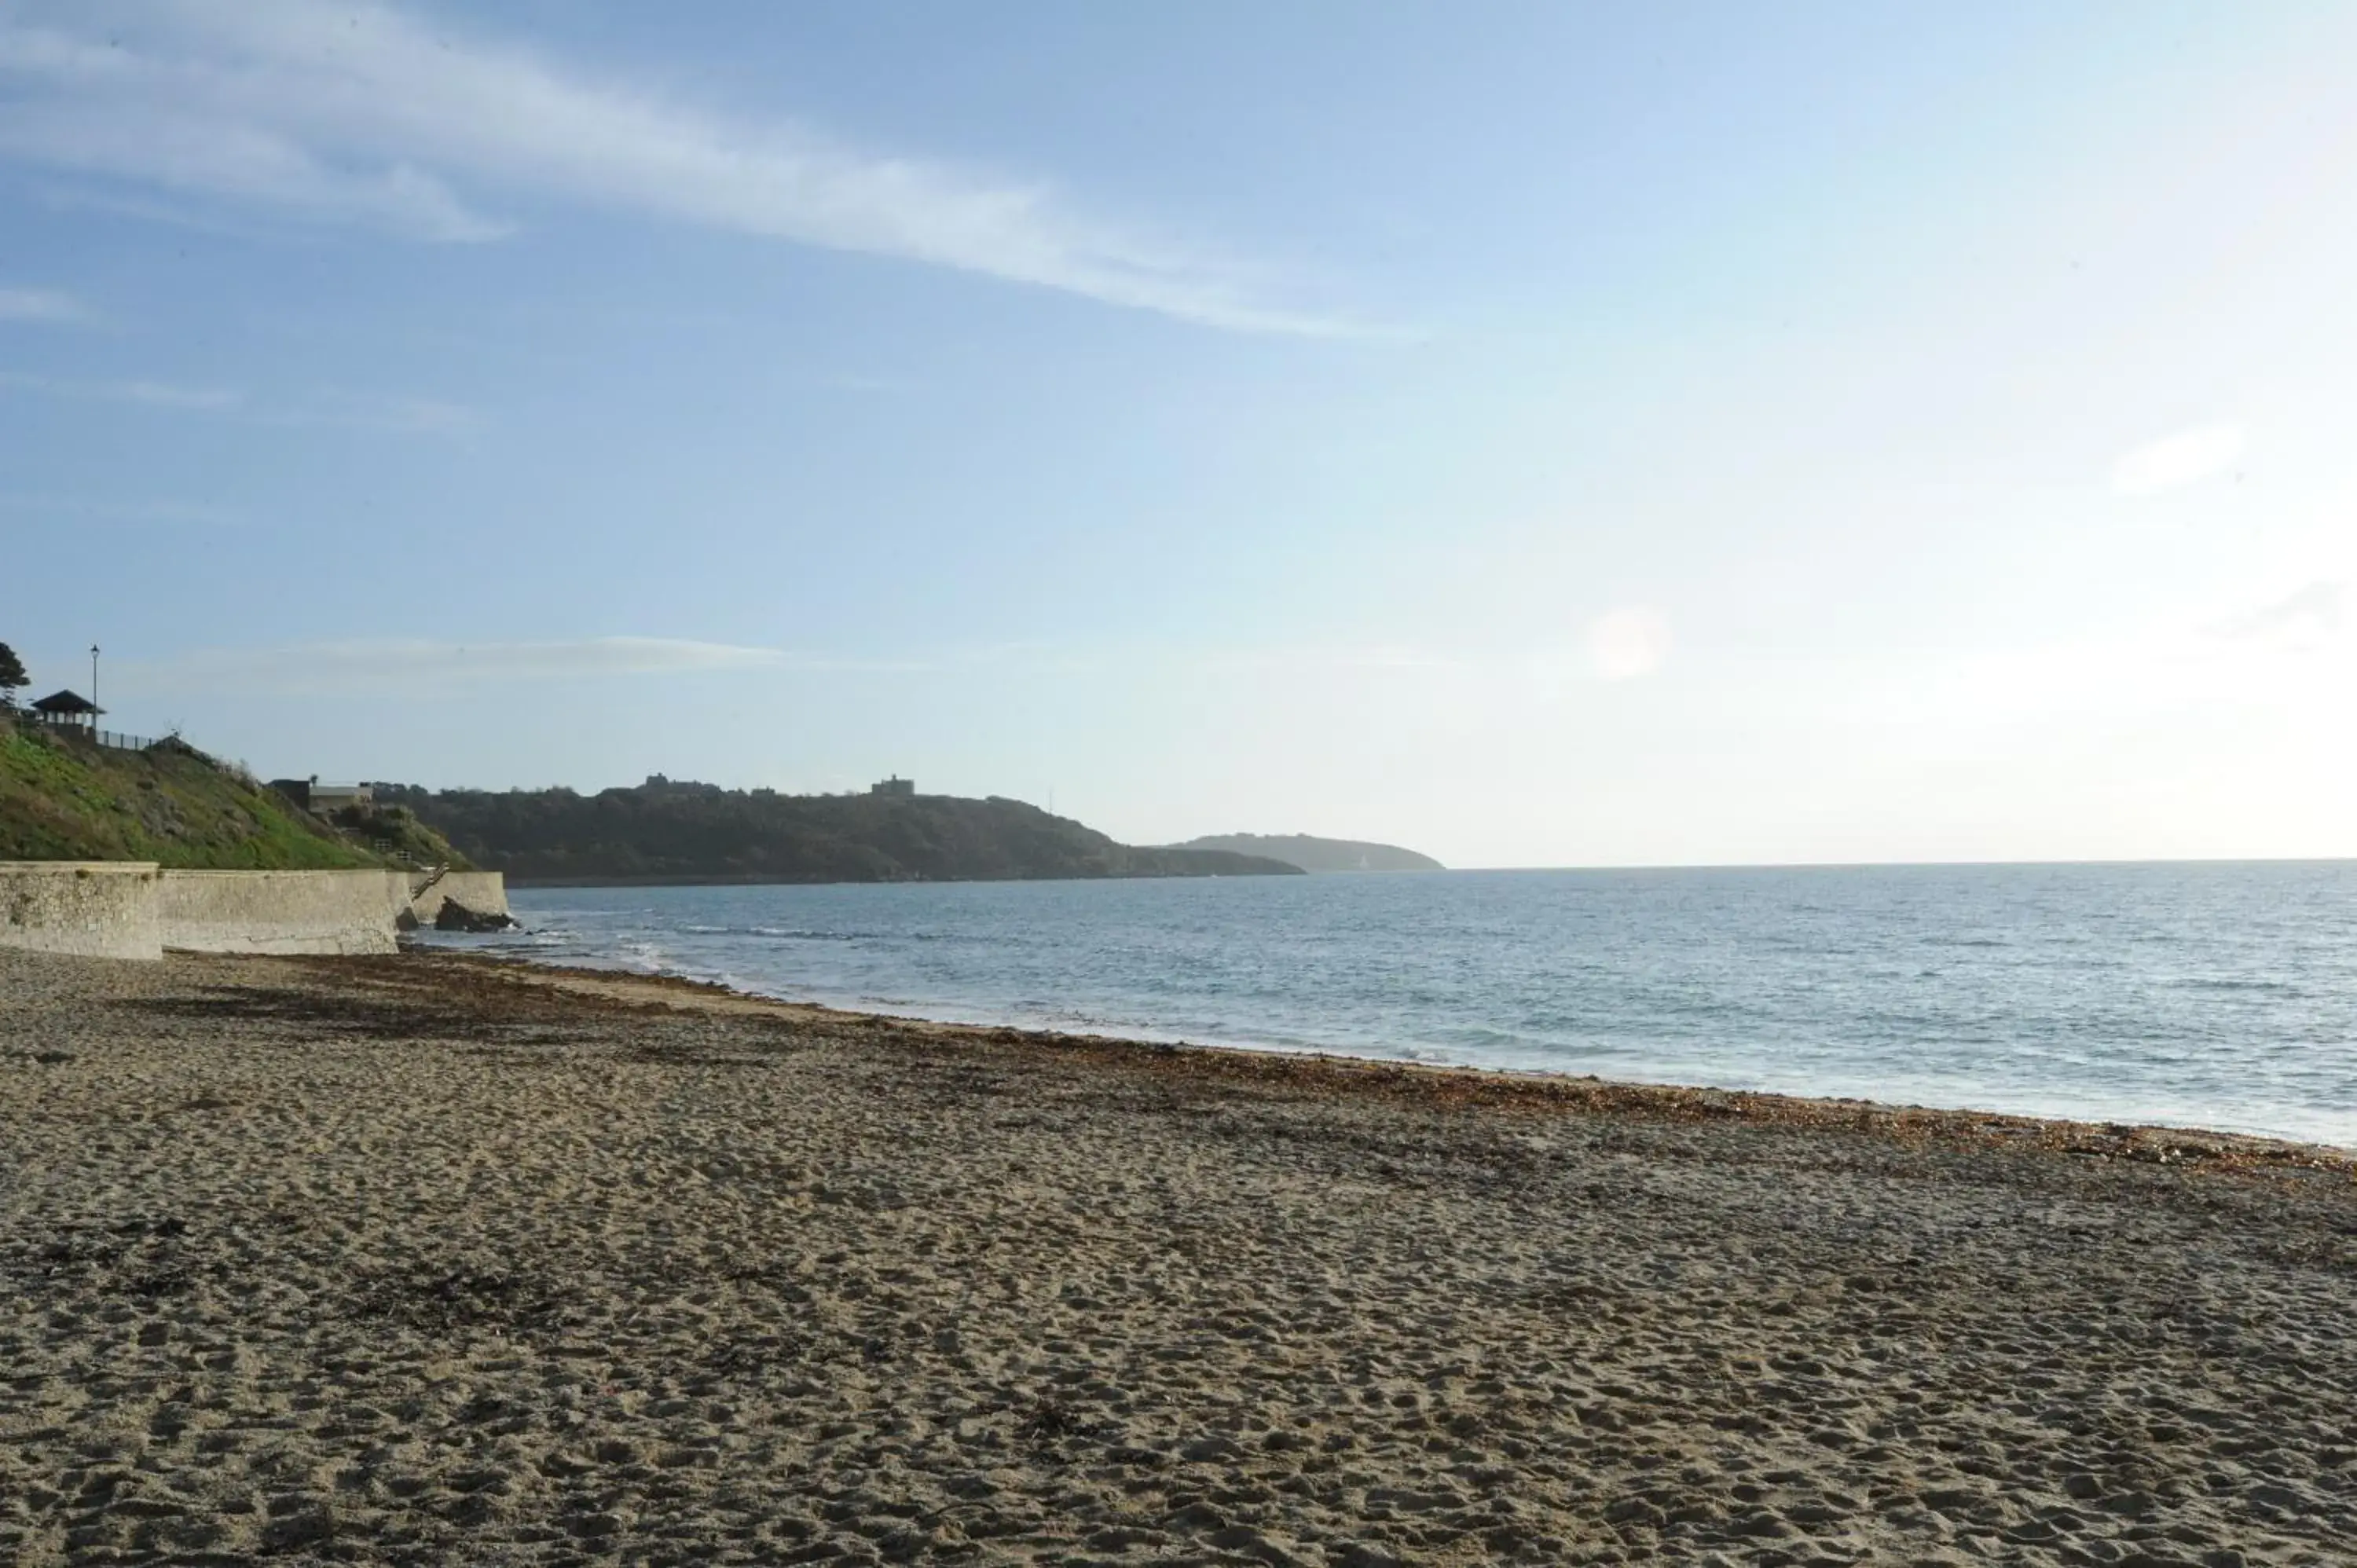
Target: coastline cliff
pixel 673 831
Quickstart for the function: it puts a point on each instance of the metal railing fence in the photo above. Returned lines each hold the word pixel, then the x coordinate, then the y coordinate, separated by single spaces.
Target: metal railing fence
pixel 115 740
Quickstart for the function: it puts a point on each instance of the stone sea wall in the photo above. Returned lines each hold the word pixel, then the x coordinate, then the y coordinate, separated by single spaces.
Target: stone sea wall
pixel 280 911
pixel 132 909
pixel 95 909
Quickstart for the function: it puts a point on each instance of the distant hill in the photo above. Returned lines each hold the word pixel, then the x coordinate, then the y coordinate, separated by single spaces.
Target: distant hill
pixel 1318 855
pixel 666 832
pixel 62 798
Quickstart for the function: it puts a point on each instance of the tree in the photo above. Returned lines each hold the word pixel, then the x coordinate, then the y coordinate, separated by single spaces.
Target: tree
pixel 12 675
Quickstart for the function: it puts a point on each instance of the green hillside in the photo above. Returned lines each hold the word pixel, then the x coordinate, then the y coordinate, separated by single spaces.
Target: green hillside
pixel 64 799
pixel 680 832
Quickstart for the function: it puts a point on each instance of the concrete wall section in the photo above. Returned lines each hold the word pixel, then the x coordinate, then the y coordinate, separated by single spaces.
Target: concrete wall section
pixel 96 908
pixel 280 911
pixel 130 909
pixel 483 892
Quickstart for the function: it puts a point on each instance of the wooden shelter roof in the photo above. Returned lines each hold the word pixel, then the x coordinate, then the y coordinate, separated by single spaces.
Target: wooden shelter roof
pixel 65 702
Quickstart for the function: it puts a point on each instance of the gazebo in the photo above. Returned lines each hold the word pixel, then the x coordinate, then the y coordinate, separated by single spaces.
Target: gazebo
pixel 69 710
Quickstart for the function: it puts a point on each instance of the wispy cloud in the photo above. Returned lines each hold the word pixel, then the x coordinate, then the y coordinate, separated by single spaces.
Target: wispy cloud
pixel 365 113
pixel 148 393
pixel 1625 644
pixel 2311 612
pixel 366 411
pixel 1313 661
pixel 2175 461
pixel 394 664
pixel 196 513
pixel 329 409
pixel 46 306
pixel 1628 642
pixel 63 195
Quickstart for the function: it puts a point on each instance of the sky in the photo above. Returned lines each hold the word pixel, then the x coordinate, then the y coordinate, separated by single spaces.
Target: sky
pixel 1540 435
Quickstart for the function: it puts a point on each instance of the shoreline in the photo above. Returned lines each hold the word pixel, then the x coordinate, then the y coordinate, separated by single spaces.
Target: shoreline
pixel 2155 1141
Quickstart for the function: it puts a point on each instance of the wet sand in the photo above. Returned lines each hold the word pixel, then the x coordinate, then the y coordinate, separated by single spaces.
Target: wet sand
pixel 422 1260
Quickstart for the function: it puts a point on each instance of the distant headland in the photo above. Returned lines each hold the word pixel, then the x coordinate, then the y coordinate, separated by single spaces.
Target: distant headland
pixel 667 831
pixel 1317 854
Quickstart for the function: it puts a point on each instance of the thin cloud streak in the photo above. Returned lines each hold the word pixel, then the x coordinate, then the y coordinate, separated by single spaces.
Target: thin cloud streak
pixel 331 409
pixel 146 394
pixel 59 197
pixel 198 513
pixel 2315 609
pixel 1628 642
pixel 417 664
pixel 1636 641
pixel 2175 461
pixel 360 114
pixel 398 664
pixel 46 306
pixel 394 416
pixel 1319 661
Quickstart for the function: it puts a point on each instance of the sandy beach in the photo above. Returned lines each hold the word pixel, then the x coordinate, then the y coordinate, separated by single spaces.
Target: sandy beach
pixel 425 1260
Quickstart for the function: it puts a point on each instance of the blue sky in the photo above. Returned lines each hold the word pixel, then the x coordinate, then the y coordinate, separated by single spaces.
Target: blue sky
pixel 1542 436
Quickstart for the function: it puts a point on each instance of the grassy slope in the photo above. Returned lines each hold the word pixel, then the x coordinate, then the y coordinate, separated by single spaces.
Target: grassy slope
pixel 65 801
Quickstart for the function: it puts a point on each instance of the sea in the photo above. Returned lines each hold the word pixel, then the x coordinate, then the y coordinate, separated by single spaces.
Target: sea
pixel 2202 994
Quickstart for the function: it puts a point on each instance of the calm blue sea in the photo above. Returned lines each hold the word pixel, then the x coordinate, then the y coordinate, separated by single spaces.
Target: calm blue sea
pixel 2202 994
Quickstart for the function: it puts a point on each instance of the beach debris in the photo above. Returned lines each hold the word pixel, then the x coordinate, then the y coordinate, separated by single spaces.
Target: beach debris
pixel 1049 1422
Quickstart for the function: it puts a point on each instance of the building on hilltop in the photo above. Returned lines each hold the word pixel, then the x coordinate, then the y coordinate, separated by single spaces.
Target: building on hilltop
pixel 896 785
pixel 314 796
pixel 69 710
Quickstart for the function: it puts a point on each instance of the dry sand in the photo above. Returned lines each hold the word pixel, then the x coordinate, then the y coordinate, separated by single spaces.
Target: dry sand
pixel 420 1260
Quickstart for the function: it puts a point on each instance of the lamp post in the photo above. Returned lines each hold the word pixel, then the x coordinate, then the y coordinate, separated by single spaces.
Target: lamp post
pixel 93 688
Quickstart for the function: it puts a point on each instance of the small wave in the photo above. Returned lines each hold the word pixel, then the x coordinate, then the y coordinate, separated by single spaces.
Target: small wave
pixel 1978 998
pixel 806 934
